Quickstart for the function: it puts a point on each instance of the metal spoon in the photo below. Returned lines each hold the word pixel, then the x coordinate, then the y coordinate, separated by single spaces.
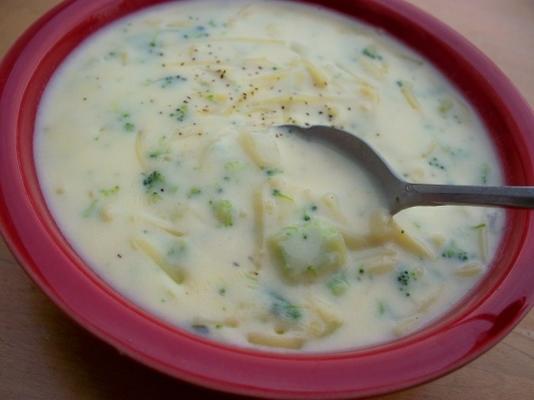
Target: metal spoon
pixel 400 194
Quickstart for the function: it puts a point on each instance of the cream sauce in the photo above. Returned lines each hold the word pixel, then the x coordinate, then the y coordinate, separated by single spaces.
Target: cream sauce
pixel 158 153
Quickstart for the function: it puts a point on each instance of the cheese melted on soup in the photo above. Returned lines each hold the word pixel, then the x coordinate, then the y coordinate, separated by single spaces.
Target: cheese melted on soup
pixel 158 151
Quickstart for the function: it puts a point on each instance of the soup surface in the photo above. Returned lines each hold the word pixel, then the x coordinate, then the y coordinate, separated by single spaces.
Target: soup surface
pixel 159 155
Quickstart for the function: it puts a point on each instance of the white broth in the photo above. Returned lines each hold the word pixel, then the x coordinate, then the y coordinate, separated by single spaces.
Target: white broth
pixel 158 152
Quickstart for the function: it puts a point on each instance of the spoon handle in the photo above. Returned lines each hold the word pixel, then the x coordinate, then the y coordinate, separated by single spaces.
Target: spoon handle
pixel 432 195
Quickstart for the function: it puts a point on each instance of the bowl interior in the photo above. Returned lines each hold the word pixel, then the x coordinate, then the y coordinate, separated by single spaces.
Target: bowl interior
pixel 484 316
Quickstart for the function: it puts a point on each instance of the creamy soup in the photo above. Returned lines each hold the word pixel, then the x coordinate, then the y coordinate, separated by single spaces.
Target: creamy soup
pixel 160 155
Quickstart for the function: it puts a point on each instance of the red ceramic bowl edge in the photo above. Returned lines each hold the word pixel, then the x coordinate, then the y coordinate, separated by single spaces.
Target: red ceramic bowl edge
pixel 9 231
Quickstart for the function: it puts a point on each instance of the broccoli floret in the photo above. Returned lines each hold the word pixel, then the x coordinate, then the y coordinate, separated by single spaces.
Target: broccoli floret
pixel 234 166
pixel 195 191
pixel 180 113
pixel 111 191
pixel 371 53
pixel 452 251
pixel 280 195
pixel 405 280
pixel 170 80
pixel 338 284
pixel 272 171
pixel 127 124
pixel 153 181
pixel 284 309
pixel 308 251
pixel 223 212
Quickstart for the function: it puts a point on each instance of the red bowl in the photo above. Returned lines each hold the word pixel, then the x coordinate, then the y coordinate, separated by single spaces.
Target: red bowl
pixel 489 312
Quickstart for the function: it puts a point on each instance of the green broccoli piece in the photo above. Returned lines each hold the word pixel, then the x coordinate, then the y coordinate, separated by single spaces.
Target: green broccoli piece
pixel 452 251
pixel 153 181
pixel 127 123
pixel 338 284
pixel 280 195
pixel 308 251
pixel 223 212
pixel 91 209
pixel 234 166
pixel 180 113
pixel 371 53
pixel 284 309
pixel 405 280
pixel 272 171
pixel 111 191
pixel 195 191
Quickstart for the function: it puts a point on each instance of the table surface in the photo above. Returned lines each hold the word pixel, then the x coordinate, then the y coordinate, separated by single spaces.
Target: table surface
pixel 44 355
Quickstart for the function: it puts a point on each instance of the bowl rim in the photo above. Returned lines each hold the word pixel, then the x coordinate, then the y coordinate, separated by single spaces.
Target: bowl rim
pixel 58 271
